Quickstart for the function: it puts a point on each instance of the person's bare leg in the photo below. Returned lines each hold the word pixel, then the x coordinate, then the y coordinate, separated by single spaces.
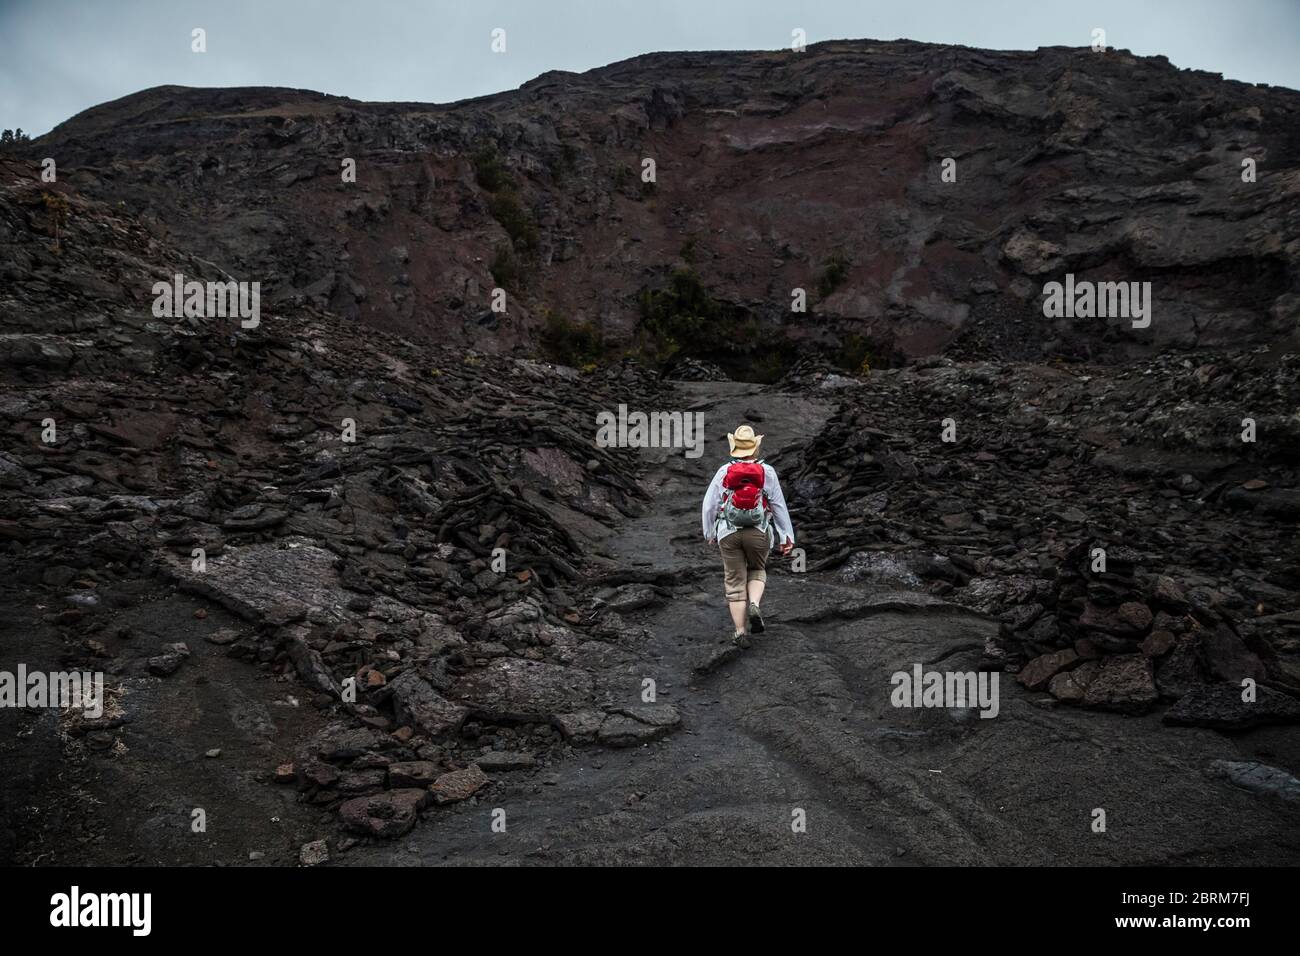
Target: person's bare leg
pixel 755 589
pixel 739 612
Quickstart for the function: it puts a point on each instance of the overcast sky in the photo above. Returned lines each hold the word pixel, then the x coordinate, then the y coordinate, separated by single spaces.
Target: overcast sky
pixel 58 57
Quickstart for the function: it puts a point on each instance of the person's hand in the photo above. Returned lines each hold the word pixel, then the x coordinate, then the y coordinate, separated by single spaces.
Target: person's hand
pixel 710 541
pixel 786 546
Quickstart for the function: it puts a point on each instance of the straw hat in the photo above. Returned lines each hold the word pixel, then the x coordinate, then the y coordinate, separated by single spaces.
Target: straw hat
pixel 744 443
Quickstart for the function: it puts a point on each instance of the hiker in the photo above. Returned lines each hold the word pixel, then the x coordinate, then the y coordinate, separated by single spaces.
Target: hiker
pixel 744 512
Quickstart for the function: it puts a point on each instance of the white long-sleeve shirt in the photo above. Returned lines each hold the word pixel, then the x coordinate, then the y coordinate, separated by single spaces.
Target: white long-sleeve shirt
pixel 715 527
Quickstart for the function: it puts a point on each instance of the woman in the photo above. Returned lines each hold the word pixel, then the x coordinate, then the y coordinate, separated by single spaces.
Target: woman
pixel 744 512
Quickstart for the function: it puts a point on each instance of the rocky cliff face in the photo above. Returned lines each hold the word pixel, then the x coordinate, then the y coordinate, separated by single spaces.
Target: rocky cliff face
pixel 774 171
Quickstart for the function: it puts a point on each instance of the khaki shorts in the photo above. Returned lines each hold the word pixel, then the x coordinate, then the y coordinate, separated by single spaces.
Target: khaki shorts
pixel 744 559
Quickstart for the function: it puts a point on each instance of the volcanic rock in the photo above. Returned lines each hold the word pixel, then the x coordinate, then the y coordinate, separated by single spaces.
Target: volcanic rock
pixel 579 727
pixel 417 703
pixel 458 785
pixel 522 690
pixel 1036 674
pixel 1124 683
pixel 314 853
pixel 416 773
pixel 498 761
pixel 1072 685
pixel 387 815
pixel 1258 778
pixel 1221 706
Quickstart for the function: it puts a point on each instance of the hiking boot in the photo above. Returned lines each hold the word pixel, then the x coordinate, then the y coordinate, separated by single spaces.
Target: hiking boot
pixel 755 620
pixel 740 640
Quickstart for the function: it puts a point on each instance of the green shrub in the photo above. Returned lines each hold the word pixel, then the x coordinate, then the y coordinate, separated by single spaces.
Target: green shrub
pixel 515 220
pixel 504 205
pixel 489 172
pixel 859 354
pixel 579 344
pixel 504 267
pixel 832 274
pixel 768 366
pixel 684 319
pixel 56 204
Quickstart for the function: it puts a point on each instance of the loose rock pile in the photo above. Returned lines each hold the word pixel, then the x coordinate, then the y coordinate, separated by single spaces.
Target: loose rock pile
pixel 1054 467
pixel 694 370
pixel 430 581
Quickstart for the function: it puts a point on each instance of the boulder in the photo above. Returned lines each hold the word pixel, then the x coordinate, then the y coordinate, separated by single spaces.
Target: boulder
pixel 416 702
pixel 1037 673
pixel 1124 683
pixel 1222 707
pixel 458 785
pixel 387 815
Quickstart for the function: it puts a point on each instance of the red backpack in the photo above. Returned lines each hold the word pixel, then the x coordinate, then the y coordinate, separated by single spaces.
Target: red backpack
pixel 743 503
